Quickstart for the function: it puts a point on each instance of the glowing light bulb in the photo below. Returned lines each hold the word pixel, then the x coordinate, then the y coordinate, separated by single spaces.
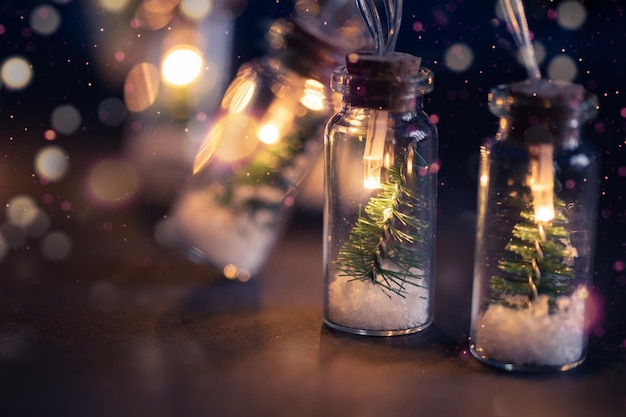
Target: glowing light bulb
pixel 542 181
pixel 181 66
pixel 269 134
pixel 278 119
pixel 374 149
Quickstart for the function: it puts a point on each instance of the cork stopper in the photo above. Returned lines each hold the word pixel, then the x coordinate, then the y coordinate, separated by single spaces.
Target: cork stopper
pixel 544 97
pixel 390 82
pixel 398 64
pixel 543 111
pixel 547 93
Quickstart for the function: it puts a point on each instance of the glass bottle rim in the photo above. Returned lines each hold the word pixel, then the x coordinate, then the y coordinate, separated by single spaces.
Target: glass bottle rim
pixel 423 81
pixel 562 97
pixel 304 49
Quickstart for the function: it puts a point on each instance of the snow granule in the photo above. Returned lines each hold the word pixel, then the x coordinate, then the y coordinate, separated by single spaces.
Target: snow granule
pixel 225 235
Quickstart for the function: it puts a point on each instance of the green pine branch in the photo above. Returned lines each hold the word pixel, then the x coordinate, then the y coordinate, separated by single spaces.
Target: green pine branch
pixel 381 246
pixel 267 166
pixel 540 262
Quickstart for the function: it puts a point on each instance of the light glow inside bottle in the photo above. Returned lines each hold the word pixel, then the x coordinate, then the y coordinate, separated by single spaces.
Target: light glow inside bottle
pixel 181 66
pixel 269 134
pixel 277 120
pixel 240 93
pixel 542 181
pixel 374 149
pixel 372 166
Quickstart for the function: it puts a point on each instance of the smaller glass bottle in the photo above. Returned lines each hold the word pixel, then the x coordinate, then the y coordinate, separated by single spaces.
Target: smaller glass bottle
pixel 380 155
pixel 535 229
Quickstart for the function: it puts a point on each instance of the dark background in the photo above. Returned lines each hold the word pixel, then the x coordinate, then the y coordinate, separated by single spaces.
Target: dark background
pixel 105 297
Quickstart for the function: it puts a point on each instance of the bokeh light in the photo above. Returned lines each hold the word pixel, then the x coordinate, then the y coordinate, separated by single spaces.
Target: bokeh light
pixel 24 218
pixel 45 20
pixel 141 87
pixel 154 14
pixel 307 8
pixel 571 15
pixel 111 111
pixel 228 140
pixel 66 119
pixel 51 163
pixel 181 66
pixel 458 57
pixel 50 134
pixel 56 246
pixel 16 72
pixel 241 91
pixel 196 9
pixel 562 67
pixel 21 210
pixel 112 182
pixel 113 5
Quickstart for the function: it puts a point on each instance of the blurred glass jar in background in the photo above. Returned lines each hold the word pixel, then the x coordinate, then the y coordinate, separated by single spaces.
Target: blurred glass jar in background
pixel 260 147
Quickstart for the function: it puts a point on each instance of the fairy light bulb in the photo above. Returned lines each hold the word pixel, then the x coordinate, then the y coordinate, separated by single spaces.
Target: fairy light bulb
pixel 542 181
pixel 269 134
pixel 181 66
pixel 374 149
pixel 277 120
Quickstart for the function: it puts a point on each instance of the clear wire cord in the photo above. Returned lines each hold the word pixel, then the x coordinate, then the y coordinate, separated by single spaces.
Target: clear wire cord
pixel 384 43
pixel 515 16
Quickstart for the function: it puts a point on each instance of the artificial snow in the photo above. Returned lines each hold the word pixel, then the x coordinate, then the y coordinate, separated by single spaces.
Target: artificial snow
pixel 224 234
pixel 363 305
pixel 534 335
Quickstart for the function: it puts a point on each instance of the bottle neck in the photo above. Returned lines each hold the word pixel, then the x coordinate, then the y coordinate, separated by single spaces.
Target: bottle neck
pixel 532 126
pixel 382 95
pixel 394 83
pixel 391 104
pixel 537 112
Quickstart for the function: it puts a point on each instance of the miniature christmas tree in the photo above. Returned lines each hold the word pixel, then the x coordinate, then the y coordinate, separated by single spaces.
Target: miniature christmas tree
pixel 277 166
pixel 381 246
pixel 541 259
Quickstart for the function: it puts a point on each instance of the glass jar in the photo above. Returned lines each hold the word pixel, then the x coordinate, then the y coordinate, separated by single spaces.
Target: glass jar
pixel 380 155
pixel 249 168
pixel 538 190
